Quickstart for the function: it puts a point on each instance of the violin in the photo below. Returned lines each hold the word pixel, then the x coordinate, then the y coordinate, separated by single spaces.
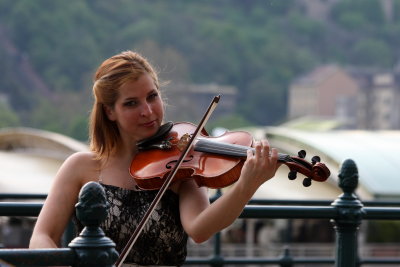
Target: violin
pixel 182 150
pixel 214 162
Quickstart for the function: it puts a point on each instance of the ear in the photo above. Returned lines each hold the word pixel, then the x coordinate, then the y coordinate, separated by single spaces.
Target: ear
pixel 109 112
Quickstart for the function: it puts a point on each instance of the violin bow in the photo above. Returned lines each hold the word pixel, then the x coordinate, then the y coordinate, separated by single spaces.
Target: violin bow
pixel 166 184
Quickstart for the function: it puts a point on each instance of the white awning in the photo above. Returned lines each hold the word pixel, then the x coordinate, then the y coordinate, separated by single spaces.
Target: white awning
pixel 30 158
pixel 24 173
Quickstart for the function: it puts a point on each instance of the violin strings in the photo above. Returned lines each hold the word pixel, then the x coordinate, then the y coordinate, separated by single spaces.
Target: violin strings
pixel 221 148
pixel 229 149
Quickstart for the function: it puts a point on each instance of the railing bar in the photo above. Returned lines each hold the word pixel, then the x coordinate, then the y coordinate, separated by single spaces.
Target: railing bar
pixel 321 202
pixel 318 202
pixel 33 209
pixel 379 261
pixel 20 209
pixel 284 212
pixel 237 260
pixel 379 213
pixel 290 202
pixel 39 257
pixel 254 201
pixel 22 196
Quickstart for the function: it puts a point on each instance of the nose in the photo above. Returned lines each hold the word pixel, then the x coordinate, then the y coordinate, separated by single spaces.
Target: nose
pixel 146 110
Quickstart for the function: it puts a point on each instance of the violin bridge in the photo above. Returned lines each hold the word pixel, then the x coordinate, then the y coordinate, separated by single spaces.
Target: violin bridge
pixel 183 142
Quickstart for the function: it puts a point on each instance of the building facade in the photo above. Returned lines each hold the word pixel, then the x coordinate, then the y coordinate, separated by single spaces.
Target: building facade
pixel 356 98
pixel 378 100
pixel 327 92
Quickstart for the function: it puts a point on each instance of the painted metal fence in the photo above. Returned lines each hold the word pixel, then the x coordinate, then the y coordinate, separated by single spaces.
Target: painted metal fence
pixel 92 248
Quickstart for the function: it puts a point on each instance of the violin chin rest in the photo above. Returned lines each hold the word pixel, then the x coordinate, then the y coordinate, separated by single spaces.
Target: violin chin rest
pixel 160 134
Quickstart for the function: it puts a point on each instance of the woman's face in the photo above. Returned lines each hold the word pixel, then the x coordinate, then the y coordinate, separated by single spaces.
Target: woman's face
pixel 139 110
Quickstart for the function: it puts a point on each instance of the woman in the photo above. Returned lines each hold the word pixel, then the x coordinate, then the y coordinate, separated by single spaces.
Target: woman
pixel 127 109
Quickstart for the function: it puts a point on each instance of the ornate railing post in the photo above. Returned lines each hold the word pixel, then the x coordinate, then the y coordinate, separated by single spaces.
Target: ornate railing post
pixel 349 216
pixel 92 247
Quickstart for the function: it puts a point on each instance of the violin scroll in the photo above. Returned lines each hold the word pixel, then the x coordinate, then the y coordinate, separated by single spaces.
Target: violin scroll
pixel 314 170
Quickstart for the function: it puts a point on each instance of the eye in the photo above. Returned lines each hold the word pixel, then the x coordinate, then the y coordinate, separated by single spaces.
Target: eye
pixel 130 103
pixel 153 96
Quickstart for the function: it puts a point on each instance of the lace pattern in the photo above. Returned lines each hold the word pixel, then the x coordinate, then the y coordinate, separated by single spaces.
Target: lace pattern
pixel 163 240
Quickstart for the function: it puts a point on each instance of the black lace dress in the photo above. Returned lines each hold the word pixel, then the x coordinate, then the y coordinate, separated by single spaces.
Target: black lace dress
pixel 163 240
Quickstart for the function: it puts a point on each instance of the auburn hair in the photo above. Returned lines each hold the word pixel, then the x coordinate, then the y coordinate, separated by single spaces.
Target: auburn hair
pixel 104 135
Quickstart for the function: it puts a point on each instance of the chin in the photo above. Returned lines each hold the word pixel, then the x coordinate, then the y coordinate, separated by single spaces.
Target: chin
pixel 149 132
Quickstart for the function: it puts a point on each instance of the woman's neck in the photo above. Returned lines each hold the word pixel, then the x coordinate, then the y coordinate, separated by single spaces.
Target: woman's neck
pixel 127 148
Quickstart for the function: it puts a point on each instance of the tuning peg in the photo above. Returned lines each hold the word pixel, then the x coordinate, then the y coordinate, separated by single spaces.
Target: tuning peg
pixel 302 154
pixel 292 175
pixel 307 182
pixel 315 159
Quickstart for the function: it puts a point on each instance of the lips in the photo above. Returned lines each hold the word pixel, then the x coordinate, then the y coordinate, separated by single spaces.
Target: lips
pixel 149 124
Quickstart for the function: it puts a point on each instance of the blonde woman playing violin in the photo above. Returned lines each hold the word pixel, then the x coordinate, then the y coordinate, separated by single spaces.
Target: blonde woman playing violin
pixel 127 109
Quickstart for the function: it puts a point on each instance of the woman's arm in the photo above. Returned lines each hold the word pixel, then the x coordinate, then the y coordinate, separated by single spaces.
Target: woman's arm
pixel 60 202
pixel 202 220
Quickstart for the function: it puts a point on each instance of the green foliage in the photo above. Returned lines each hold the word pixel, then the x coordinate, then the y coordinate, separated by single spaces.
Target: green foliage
pixel 8 118
pixel 372 52
pixel 351 21
pixel 79 128
pixel 370 12
pixel 257 46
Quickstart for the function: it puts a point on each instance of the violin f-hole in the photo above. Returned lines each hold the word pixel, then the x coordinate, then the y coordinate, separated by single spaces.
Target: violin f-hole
pixel 168 165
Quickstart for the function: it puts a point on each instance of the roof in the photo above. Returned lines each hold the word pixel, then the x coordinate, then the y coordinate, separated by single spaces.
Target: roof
pixel 317 75
pixel 26 173
pixel 30 158
pixel 374 152
pixel 280 187
pixel 38 141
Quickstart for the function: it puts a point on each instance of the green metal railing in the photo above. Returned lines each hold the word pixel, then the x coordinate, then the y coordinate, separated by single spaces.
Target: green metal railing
pixel 92 248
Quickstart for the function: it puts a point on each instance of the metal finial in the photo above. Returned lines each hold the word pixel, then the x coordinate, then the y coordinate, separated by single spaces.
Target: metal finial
pixel 348 176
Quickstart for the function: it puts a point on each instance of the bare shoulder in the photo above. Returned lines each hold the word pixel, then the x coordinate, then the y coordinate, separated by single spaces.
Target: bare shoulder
pixel 82 157
pixel 78 169
pixel 81 167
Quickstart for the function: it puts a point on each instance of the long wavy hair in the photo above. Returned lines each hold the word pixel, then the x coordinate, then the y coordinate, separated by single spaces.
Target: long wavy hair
pixel 110 76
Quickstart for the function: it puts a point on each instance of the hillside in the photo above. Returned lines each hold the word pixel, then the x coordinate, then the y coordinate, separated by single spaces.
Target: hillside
pixel 50 50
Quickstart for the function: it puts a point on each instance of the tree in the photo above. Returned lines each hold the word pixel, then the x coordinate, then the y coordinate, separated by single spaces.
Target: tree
pixel 8 117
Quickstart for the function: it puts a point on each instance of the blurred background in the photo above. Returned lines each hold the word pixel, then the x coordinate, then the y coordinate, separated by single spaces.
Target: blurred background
pixel 251 52
pixel 317 74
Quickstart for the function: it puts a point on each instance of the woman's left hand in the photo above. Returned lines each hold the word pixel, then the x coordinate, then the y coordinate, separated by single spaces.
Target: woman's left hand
pixel 202 220
pixel 259 166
